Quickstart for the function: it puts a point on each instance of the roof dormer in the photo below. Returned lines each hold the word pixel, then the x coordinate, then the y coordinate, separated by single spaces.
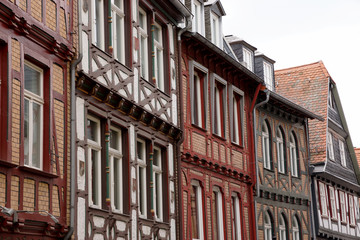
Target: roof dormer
pixel 197 10
pixel 243 51
pixel 264 68
pixel 213 22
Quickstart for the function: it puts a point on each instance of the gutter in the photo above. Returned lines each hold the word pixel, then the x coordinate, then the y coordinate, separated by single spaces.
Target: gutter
pixel 181 123
pixel 74 63
pixel 253 110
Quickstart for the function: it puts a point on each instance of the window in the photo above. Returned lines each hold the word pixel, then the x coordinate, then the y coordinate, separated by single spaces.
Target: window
pixel 197 9
pixel 94 156
pixel 236 218
pixel 268 75
pixel 216 30
pixel 98 36
pixel 280 150
pixel 157 178
pixel 293 156
pixel 282 228
pixel 217 214
pixel 267 226
pixel 331 101
pixel 197 221
pixel 342 207
pixel 296 229
pixel 118 24
pixel 248 59
pixel 141 179
pixel 33 116
pixel 330 146
pixel 159 57
pixel 116 169
pixel 323 201
pixel 198 98
pixel 144 57
pixel 219 105
pixel 333 208
pixel 351 210
pixel 236 110
pixel 266 145
pixel 342 153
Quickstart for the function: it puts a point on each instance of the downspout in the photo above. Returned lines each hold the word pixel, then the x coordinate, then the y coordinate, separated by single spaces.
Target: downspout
pixel 253 110
pixel 74 63
pixel 180 104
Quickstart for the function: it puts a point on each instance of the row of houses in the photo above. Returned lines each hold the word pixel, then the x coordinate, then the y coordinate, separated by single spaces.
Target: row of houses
pixel 139 120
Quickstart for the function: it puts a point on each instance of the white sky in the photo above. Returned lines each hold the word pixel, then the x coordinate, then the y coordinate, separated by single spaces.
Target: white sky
pixel 298 32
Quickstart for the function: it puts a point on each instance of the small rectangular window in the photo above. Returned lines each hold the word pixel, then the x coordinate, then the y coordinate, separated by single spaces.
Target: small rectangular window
pixel 236 114
pixel 332 199
pixel 159 57
pixel 351 210
pixel 343 213
pixel 197 9
pixel 198 98
pixel 323 201
pixel 158 185
pixel 216 30
pixel 268 75
pixel 342 153
pixel 118 16
pixel 219 106
pixel 143 35
pixel 98 25
pixel 248 59
pixel 141 180
pixel 330 146
pixel 196 203
pixel 236 217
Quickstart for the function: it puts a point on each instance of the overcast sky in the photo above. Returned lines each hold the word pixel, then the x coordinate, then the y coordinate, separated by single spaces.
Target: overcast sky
pixel 298 32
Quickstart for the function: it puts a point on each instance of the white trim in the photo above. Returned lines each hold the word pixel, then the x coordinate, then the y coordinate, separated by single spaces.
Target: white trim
pixel 351 210
pixel 118 17
pixel 141 160
pixel 282 228
pixel 157 178
pixel 323 199
pixel 265 145
pixel 280 150
pixel 343 212
pixel 98 36
pixel 198 23
pixel 268 75
pixel 332 203
pixel 248 59
pixel 216 33
pixel 293 156
pixel 342 153
pixel 330 146
pixel 219 212
pixel 295 229
pixel 236 218
pixel 159 57
pixel 267 226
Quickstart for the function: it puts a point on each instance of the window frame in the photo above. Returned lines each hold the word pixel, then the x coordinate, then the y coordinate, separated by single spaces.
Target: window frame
pixel 330 146
pixel 32 99
pixel 219 213
pixel 158 169
pixel 143 34
pixel 199 208
pixel 283 229
pixel 248 59
pixel 332 202
pixel 342 152
pixel 268 226
pixel 294 156
pixel 201 99
pixel 352 217
pixel 97 19
pixel 268 75
pixel 116 13
pixel 142 189
pixel 296 228
pixel 159 59
pixel 281 150
pixel 266 145
pixel 198 23
pixel 96 146
pixel 323 199
pixel 342 203
pixel 236 216
pixel 218 103
pixel 238 118
pixel 215 22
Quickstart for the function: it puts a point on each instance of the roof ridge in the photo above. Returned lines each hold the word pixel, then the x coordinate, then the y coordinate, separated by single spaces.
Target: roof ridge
pixel 300 67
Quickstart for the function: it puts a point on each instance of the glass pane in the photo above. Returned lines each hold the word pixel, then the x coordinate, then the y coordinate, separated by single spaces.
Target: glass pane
pixel 158 194
pixel 32 80
pixel 194 214
pixel 141 189
pixel 157 33
pixel 119 33
pixel 214 214
pixel 142 20
pixel 118 3
pixel 92 132
pixel 36 144
pixel 117 182
pixel 26 132
pixel 114 139
pixel 94 175
pixel 140 150
pixel 157 157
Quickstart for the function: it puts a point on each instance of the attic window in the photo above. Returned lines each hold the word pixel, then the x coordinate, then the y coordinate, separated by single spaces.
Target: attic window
pixel 268 75
pixel 331 101
pixel 248 59
pixel 216 29
pixel 197 9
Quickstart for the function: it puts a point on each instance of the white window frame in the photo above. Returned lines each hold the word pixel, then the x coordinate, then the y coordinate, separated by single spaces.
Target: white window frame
pixel 268 75
pixel 282 228
pixel 96 146
pixel 158 196
pixel 323 199
pixel 332 200
pixel 351 210
pixel 343 212
pixel 218 102
pixel 342 152
pixel 267 226
pixel 115 154
pixel 98 35
pixel 197 9
pixel 236 217
pixel 199 209
pixel 265 137
pixel 236 121
pixel 280 150
pixel 159 58
pixel 331 101
pixel 293 156
pixel 330 146
pixel 248 59
pixel 143 43
pixel 219 212
pixel 34 98
pixel 143 186
pixel 118 16
pixel 216 32
pixel 295 229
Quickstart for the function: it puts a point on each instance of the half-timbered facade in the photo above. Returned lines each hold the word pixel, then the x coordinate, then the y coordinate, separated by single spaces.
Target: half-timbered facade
pixel 335 175
pixel 35 54
pixel 127 119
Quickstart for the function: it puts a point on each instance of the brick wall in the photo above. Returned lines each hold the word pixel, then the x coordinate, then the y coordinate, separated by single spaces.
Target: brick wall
pixel 51 14
pixel 2 189
pixel 15 191
pixel 44 200
pixel 15 119
pixel 36 9
pixel 29 194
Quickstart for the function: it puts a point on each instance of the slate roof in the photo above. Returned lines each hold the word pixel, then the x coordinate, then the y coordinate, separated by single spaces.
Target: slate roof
pixel 308 86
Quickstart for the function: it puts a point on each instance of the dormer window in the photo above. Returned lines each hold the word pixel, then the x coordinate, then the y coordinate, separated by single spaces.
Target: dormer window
pixel 248 59
pixel 197 9
pixel 268 75
pixel 216 30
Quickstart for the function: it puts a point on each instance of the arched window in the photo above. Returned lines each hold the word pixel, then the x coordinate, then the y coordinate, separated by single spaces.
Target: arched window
pixel 266 144
pixel 280 150
pixel 293 156
pixel 282 228
pixel 296 229
pixel 268 226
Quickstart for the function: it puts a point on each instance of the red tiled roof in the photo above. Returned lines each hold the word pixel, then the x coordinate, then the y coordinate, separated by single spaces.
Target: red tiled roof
pixel 307 85
pixel 357 154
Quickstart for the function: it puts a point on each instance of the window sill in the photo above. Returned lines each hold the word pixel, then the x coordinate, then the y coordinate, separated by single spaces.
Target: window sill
pixel 343 223
pixel 237 145
pixel 353 225
pixel 324 216
pixel 283 174
pixel 270 170
pixel 156 88
pixel 7 164
pixel 334 219
pixel 38 172
pixel 198 127
pixel 219 137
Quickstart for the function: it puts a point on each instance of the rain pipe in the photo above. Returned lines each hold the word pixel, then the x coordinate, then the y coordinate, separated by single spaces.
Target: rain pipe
pixel 74 63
